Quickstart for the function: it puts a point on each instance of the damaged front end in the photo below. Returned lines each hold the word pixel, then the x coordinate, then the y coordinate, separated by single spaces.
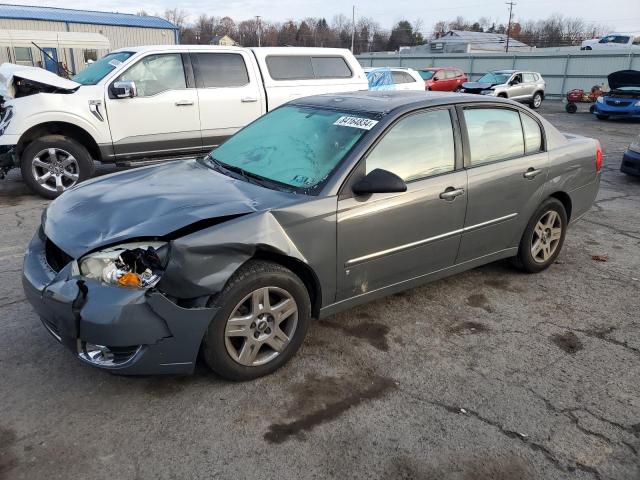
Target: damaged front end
pixel 106 310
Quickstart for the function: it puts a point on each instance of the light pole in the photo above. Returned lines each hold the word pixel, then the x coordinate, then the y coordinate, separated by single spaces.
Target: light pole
pixel 258 27
pixel 353 27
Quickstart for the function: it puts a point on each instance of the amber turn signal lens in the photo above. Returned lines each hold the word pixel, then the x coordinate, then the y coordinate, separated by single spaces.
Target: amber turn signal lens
pixel 129 279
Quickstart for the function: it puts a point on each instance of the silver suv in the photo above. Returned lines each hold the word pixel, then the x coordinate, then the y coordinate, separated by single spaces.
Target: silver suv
pixel 525 87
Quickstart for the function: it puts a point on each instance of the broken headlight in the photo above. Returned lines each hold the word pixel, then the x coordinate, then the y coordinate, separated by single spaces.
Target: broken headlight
pixel 138 265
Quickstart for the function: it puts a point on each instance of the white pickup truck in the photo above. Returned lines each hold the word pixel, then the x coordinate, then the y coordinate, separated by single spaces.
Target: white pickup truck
pixel 143 104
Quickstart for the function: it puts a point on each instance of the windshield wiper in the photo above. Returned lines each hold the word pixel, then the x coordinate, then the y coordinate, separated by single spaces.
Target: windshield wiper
pixel 247 176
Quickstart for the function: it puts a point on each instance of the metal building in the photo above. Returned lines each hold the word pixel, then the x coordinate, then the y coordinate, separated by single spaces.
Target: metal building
pixel 120 30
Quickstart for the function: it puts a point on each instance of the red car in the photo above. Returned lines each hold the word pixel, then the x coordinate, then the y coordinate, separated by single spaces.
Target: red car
pixel 442 79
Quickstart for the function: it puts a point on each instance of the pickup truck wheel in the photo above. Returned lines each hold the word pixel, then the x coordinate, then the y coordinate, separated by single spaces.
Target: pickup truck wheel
pixel 263 317
pixel 52 164
pixel 536 101
pixel 543 238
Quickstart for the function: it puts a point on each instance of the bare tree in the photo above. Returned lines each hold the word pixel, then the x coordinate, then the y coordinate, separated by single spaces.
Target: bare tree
pixel 177 16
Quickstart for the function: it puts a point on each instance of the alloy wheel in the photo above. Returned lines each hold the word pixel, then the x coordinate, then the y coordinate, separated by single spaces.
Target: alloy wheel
pixel 537 100
pixel 55 169
pixel 261 326
pixel 546 236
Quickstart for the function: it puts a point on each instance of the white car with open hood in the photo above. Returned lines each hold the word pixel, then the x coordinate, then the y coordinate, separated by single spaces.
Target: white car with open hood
pixel 144 104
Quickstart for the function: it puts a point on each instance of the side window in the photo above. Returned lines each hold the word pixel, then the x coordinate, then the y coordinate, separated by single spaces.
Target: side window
pixel 517 79
pixel 23 56
pixel 289 67
pixel 451 74
pixel 417 146
pixel 494 134
pixel 397 77
pixel 330 67
pixel 532 134
pixel 302 67
pixel 220 70
pixel 156 73
pixel 528 77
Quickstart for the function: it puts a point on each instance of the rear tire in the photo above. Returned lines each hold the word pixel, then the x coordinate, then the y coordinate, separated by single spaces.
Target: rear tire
pixel 571 108
pixel 543 237
pixel 536 101
pixel 52 164
pixel 251 336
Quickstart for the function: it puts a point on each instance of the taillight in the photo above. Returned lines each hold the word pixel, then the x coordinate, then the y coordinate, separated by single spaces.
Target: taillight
pixel 598 157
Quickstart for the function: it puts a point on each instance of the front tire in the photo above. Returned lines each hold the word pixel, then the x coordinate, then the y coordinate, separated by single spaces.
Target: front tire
pixel 263 317
pixel 52 164
pixel 543 237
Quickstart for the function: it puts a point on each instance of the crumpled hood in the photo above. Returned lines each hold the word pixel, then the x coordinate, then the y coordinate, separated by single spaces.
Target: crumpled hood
pixel 478 85
pixel 150 202
pixel 35 75
pixel 624 78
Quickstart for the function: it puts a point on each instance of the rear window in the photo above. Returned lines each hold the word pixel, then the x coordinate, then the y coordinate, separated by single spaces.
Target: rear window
pixel 302 67
pixel 220 70
pixel 494 134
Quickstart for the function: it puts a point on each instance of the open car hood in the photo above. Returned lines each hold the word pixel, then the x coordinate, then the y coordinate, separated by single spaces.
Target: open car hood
pixel 624 78
pixel 37 78
pixel 150 202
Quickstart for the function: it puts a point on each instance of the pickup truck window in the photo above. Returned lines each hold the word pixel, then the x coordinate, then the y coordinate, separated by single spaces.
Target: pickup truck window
pixel 156 73
pixel 418 146
pixel 216 70
pixel 95 72
pixel 295 146
pixel 302 67
pixel 494 134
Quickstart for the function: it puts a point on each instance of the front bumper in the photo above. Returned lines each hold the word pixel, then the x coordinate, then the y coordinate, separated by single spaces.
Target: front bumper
pixel 628 111
pixel 630 163
pixel 149 333
pixel 7 157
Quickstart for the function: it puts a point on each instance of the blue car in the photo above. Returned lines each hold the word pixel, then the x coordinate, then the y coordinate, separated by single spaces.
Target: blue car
pixel 624 98
pixel 631 159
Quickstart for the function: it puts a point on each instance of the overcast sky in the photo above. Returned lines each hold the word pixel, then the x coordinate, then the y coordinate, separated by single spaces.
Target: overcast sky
pixel 620 15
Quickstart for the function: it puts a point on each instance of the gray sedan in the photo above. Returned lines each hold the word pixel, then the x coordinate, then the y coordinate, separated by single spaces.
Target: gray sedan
pixel 322 204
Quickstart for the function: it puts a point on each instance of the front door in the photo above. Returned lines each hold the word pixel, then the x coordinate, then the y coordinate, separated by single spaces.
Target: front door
pixel 163 118
pixel 507 172
pixel 387 238
pixel 229 94
pixel 50 59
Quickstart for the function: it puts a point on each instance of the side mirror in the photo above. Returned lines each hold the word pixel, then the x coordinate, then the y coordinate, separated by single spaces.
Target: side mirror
pixel 436 78
pixel 124 89
pixel 379 181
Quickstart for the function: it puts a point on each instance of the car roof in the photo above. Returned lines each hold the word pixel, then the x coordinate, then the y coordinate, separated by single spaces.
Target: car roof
pixel 440 68
pixel 384 101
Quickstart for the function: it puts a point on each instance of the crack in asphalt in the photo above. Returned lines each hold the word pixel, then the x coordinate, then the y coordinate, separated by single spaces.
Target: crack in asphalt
pixel 512 434
pixel 619 231
pixel 12 302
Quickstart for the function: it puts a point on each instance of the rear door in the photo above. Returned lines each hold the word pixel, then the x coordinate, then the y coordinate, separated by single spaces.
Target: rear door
pixel 387 238
pixel 529 84
pixel 162 119
pixel 507 168
pixel 229 94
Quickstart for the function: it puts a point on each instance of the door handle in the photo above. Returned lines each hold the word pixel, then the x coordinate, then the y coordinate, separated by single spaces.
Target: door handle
pixel 531 173
pixel 451 193
pixel 248 99
pixel 184 103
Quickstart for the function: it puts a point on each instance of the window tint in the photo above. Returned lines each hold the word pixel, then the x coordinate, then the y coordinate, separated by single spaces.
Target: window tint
pixel 417 146
pixel 301 67
pixel 494 134
pixel 330 67
pixel 220 70
pixel 532 134
pixel 156 73
pixel 528 77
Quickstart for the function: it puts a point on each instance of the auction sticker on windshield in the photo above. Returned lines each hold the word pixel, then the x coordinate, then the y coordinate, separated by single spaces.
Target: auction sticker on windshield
pixel 356 122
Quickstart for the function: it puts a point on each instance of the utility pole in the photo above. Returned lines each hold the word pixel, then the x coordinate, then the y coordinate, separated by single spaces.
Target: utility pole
pixel 258 27
pixel 353 27
pixel 511 4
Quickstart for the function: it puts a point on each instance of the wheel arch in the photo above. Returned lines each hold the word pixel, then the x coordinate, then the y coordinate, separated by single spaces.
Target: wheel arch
pixel 59 128
pixel 565 199
pixel 299 268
